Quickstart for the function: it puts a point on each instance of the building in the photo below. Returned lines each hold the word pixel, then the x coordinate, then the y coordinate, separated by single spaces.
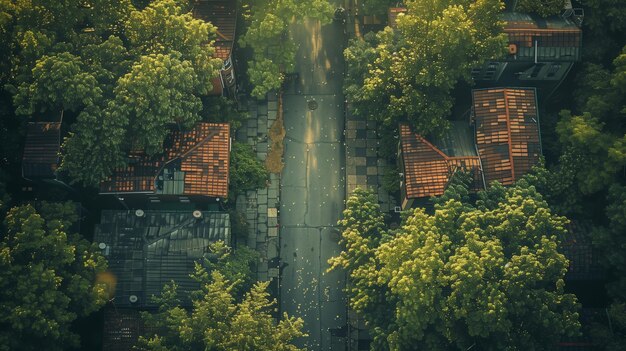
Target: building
pixel 145 251
pixel 41 150
pixel 504 145
pixel 223 15
pixel 194 166
pixel 541 52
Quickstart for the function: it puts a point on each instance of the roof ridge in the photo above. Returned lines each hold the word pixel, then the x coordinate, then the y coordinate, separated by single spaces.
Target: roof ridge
pixel 505 92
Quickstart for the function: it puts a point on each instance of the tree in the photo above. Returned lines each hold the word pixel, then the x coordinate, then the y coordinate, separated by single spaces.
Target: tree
pixel 544 8
pixel 268 36
pixel 237 266
pixel 246 171
pixel 156 94
pixel 46 281
pixel 409 72
pixel 218 322
pixel 486 275
pixel 376 7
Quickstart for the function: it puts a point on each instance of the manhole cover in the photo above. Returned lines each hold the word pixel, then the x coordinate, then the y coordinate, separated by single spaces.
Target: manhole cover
pixel 312 104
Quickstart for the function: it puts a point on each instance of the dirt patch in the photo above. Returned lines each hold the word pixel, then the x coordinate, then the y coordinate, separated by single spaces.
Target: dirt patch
pixel 274 161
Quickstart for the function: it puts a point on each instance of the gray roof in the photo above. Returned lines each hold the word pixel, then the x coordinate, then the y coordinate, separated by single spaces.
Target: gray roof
pixel 146 252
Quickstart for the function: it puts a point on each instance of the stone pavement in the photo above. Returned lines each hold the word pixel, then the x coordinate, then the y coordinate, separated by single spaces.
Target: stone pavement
pixel 260 207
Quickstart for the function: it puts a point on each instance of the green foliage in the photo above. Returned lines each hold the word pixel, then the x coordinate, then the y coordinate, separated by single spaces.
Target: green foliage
pixel 46 281
pixel 155 95
pixel 376 7
pixel 129 75
pixel 237 266
pixel 543 8
pixel 391 180
pixel 485 275
pixel 218 322
pixel 268 36
pixel 408 73
pixel 610 335
pixel 246 171
pixel 64 212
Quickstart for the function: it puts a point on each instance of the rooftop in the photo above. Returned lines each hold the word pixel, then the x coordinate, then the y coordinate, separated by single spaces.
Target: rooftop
pixel 196 162
pixel 583 259
pixel 146 250
pixel 41 150
pixel 223 15
pixel 507 132
pixel 427 170
pixel 543 39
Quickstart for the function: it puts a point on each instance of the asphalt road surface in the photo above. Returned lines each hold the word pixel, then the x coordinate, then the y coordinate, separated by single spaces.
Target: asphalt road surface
pixel 312 186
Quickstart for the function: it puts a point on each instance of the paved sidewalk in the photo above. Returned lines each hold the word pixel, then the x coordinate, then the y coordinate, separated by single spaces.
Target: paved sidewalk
pixel 260 207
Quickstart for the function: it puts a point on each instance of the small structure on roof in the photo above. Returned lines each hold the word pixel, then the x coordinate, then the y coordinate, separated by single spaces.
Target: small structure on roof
pixel 541 52
pixel 41 150
pixel 148 249
pixel 504 147
pixel 195 165
pixel 223 15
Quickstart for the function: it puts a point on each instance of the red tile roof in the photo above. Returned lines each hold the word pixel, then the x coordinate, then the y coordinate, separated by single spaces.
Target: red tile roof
pixel 196 163
pixel 223 15
pixel 507 132
pixel 427 170
pixel 41 149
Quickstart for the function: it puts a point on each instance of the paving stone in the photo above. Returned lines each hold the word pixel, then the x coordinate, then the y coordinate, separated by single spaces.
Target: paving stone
pixel 272 96
pixel 372 171
pixel 272 115
pixel 262 209
pixel 261 147
pixel 381 162
pixel 350 124
pixel 371 134
pixel 361 133
pixel 370 161
pixel 272 222
pixel 361 179
pixel 261 155
pixel 262 218
pixel 262 194
pixel 252 243
pixel 372 180
pixel 360 161
pixel 262 276
pixel 272 232
pixel 371 152
pixel 361 124
pixel 252 123
pixel 251 132
pixel 351 170
pixel 350 161
pixel 372 144
pixel 360 152
pixel 351 134
pixel 263 227
pixel 272 192
pixel 272 105
pixel 360 143
pixel 262 108
pixel 361 170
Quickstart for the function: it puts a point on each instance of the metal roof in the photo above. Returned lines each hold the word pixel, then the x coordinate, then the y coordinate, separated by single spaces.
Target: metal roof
pixel 41 150
pixel 195 163
pixel 145 252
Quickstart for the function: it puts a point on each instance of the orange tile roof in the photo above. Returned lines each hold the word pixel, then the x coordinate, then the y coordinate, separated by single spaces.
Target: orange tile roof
pixel 427 170
pixel 223 15
pixel 196 163
pixel 507 132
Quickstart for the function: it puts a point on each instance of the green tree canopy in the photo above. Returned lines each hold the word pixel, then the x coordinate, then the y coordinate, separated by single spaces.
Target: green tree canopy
pixel 412 69
pixel 543 8
pixel 246 171
pixel 486 274
pixel 219 322
pixel 125 75
pixel 47 280
pixel 268 36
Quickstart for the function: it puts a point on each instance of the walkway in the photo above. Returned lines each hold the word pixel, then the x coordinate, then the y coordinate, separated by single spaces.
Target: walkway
pixel 312 187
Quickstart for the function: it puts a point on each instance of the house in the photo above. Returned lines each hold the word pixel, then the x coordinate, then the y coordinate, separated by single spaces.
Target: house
pixel 541 52
pixel 392 15
pixel 194 166
pixel 41 150
pixel 504 146
pixel 223 15
pixel 145 251
pixel 427 169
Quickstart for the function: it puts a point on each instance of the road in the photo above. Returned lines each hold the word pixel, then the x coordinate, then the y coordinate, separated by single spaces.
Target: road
pixel 312 186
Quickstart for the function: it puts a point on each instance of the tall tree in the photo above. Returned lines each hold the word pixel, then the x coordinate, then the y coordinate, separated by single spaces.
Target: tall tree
pixel 218 322
pixel 543 8
pixel 47 280
pixel 268 36
pixel 413 68
pixel 484 275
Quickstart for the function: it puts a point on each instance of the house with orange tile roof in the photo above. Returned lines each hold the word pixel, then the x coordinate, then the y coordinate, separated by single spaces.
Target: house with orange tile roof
pixel 506 145
pixel 194 166
pixel 223 15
